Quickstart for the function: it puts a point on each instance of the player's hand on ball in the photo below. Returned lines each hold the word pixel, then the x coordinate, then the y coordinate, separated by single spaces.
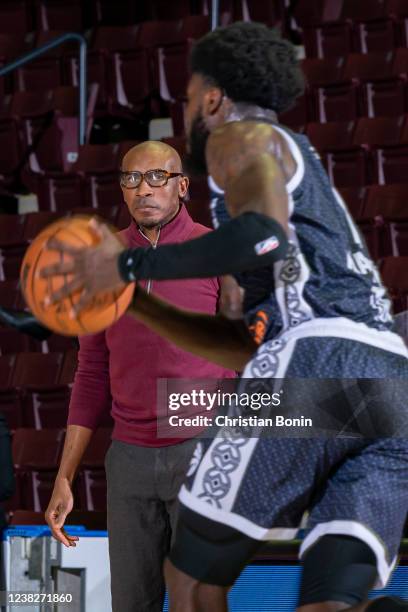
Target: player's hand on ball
pixel 92 269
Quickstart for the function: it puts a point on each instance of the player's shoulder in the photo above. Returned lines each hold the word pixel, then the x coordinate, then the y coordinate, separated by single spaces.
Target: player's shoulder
pixel 242 133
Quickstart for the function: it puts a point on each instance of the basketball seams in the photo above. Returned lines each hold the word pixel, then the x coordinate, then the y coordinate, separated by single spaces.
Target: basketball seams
pixel 97 319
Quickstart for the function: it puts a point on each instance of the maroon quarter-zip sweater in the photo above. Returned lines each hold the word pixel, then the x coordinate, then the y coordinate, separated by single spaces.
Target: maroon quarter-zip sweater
pixel 118 368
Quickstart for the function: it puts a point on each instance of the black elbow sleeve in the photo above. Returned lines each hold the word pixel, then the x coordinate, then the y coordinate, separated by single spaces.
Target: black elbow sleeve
pixel 245 243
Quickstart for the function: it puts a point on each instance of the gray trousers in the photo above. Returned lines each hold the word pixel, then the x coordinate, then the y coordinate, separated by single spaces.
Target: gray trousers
pixel 142 486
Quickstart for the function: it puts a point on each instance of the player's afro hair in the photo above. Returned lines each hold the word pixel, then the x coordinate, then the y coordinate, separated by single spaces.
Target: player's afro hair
pixel 251 63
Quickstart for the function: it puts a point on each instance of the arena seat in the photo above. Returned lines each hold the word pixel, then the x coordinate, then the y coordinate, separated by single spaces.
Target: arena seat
pixel 350 167
pixel 337 101
pixel 12 245
pixel 331 39
pixel 91 482
pixel 10 404
pixel 354 198
pixel 10 294
pixel 385 97
pixel 11 149
pixel 44 400
pixel 12 341
pixel 322 71
pixel 388 201
pixel 398 237
pixel 15 16
pixel 300 114
pixel 359 11
pixel 46 72
pixel 394 274
pixel 57 15
pixel 378 131
pixel 91 182
pixel 331 135
pixel 35 222
pixel 36 455
pixel 392 164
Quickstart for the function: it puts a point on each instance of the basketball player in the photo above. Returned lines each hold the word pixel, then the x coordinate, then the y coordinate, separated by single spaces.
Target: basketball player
pixel 316 308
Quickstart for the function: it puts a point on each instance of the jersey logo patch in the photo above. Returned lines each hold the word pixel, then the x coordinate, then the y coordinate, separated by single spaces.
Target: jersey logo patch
pixel 270 244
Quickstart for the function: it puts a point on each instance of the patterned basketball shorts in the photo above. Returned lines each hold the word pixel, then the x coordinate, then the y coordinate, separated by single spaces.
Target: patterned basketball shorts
pixel 267 487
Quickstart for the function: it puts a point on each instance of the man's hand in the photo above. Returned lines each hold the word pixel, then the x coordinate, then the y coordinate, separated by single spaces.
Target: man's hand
pixel 61 504
pixel 92 269
pixel 231 298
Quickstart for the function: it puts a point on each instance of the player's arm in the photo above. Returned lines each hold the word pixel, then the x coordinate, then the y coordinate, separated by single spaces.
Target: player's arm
pixel 245 159
pixel 215 338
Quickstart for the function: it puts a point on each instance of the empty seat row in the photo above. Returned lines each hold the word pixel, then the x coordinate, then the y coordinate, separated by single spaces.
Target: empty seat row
pixel 35 388
pixel 36 456
pixel 309 12
pixel 22 16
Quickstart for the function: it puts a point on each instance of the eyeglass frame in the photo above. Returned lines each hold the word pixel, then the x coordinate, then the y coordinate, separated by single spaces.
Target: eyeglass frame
pixel 169 175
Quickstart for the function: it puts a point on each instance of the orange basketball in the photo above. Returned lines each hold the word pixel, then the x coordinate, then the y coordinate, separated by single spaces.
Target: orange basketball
pixel 104 310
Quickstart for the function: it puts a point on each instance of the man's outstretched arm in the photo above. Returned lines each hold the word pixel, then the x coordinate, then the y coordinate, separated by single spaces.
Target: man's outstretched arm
pixel 215 338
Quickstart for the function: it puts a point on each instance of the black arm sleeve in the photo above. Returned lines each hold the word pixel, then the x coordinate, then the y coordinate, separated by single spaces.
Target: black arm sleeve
pixel 247 242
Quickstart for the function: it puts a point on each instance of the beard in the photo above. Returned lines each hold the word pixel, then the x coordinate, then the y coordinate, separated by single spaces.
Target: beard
pixel 195 159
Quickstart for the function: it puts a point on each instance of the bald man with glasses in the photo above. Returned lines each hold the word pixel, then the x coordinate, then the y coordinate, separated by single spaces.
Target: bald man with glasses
pixel 117 371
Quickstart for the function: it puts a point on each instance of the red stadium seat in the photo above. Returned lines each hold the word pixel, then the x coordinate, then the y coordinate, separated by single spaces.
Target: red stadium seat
pixel 15 16
pixel 373 234
pixel 338 101
pixel 11 148
pixel 359 11
pixel 36 455
pixel 392 164
pixel 332 39
pixel 398 237
pixel 376 35
pixel 13 341
pixel 300 114
pixel 388 201
pixel 91 182
pixel 45 401
pixel 46 72
pixel 368 66
pixel 378 131
pixel 91 484
pixel 322 71
pixel 37 221
pixel 350 168
pixel 330 136
pixel 385 97
pixel 57 15
pixel 10 294
pixel 393 272
pixel 10 404
pixel 12 245
pixel 354 199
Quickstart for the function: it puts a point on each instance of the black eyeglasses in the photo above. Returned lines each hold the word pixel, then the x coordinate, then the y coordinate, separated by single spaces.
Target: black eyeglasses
pixel 154 178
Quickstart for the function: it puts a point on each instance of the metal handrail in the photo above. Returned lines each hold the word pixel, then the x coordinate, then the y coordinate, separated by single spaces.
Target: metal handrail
pixel 28 57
